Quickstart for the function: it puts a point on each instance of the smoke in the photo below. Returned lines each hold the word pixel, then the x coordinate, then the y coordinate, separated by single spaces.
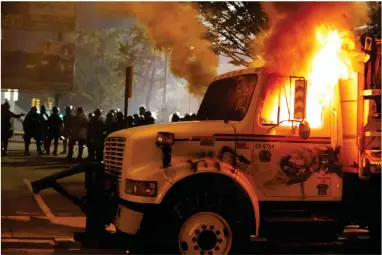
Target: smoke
pixel 289 44
pixel 174 27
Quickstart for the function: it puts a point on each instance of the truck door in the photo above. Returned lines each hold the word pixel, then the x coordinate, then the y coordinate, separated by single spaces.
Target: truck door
pixel 290 140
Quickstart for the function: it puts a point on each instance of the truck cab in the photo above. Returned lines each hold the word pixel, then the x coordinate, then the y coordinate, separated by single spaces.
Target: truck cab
pixel 267 151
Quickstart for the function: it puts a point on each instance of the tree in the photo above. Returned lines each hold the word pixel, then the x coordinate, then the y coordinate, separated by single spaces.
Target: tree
pixel 375 18
pixel 96 78
pixel 233 27
pixel 102 56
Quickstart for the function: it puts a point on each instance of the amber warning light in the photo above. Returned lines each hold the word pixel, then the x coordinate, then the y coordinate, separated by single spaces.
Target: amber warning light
pixel 299 99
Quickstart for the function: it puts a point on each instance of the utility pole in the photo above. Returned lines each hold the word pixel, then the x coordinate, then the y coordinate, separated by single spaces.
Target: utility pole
pixel 165 83
pixel 128 90
pixel 57 95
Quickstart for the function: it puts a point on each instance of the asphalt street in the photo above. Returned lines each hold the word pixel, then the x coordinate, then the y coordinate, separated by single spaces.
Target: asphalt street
pixel 45 223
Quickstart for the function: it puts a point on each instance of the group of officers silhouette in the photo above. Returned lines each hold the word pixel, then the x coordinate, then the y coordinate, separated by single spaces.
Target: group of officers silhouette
pixel 73 129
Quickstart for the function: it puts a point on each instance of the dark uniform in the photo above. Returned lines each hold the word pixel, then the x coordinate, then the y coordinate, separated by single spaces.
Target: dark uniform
pixel 67 131
pixel 137 121
pixel 96 136
pixel 130 121
pixel 55 124
pixel 110 123
pixel 175 118
pixel 6 126
pixel 44 127
pixel 32 129
pixel 148 118
pixel 79 133
pixel 142 120
pixel 120 123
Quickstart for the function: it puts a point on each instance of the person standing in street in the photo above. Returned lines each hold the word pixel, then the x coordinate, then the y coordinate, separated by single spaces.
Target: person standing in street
pixel 148 119
pixel 109 123
pixel 130 121
pixel 142 111
pixel 175 118
pixel 120 123
pixel 32 129
pixel 68 123
pixel 55 125
pixel 44 127
pixel 96 136
pixel 6 126
pixel 79 133
pixel 137 121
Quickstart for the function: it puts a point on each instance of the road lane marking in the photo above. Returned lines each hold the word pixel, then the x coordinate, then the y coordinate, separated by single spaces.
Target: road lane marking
pixel 43 206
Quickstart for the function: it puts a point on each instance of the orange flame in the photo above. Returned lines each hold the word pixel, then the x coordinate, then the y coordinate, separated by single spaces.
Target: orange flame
pixel 331 61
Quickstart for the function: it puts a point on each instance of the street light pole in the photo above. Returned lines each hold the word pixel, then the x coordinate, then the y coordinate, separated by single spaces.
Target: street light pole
pixel 165 83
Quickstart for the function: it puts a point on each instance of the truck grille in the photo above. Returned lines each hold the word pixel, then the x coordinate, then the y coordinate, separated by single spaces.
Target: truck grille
pixel 113 156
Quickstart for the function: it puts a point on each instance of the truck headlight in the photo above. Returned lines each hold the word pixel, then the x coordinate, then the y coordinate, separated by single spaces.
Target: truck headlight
pixel 165 138
pixel 141 188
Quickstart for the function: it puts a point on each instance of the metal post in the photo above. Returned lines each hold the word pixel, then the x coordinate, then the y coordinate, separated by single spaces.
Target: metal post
pixel 57 96
pixel 165 83
pixel 128 90
pixel 57 100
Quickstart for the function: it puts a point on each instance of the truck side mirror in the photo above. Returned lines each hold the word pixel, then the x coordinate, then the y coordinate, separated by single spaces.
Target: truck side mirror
pixel 299 99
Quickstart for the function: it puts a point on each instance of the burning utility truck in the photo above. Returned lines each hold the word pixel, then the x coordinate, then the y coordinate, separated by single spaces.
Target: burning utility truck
pixel 269 151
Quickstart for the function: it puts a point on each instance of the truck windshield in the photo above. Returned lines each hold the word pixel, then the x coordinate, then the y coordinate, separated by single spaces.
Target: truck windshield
pixel 228 98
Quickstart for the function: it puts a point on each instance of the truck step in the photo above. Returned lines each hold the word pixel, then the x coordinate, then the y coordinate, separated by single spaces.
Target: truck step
pixel 255 238
pixel 292 213
pixel 299 219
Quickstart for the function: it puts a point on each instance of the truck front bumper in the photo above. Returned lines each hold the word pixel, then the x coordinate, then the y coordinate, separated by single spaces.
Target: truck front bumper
pixel 130 216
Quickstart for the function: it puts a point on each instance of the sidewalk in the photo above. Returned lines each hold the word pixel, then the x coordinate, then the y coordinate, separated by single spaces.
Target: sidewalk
pixel 42 235
pixel 36 227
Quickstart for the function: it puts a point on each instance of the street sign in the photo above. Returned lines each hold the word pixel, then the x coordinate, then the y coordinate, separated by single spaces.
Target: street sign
pixel 50 69
pixel 58 16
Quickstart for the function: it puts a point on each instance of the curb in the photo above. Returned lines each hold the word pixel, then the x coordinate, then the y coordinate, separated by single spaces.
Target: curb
pixel 30 243
pixel 38 243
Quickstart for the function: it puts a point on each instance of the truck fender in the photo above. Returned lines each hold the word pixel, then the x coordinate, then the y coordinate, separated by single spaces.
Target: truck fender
pixel 183 172
pixel 243 180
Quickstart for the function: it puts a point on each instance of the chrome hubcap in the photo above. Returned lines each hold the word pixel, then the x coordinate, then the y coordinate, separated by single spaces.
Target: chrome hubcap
pixel 205 233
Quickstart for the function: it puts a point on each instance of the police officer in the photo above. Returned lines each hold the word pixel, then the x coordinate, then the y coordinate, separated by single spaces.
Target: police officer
pixel 137 121
pixel 68 120
pixel 79 133
pixel 148 118
pixel 109 124
pixel 90 116
pixel 96 136
pixel 175 118
pixel 44 127
pixel 6 126
pixel 32 129
pixel 55 124
pixel 142 111
pixel 130 121
pixel 120 123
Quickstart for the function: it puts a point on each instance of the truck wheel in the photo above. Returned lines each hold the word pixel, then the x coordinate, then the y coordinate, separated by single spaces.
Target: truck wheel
pixel 205 233
pixel 204 223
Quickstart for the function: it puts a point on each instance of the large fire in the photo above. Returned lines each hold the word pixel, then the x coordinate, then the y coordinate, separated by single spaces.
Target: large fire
pixel 330 62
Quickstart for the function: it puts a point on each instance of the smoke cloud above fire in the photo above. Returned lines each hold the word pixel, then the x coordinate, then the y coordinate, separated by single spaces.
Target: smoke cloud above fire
pixel 175 27
pixel 289 45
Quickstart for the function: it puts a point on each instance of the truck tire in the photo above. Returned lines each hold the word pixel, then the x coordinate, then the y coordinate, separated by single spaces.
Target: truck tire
pixel 205 225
